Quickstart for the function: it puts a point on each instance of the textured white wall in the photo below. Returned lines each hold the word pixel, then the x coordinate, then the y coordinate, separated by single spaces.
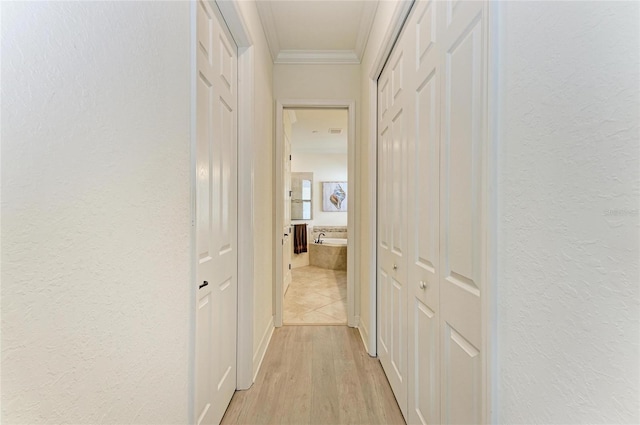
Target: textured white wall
pixel 95 212
pixel 568 278
pixel 325 167
pixel 262 182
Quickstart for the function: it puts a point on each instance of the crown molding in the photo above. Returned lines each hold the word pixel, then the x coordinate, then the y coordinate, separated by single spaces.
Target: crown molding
pixel 364 29
pixel 269 27
pixel 318 56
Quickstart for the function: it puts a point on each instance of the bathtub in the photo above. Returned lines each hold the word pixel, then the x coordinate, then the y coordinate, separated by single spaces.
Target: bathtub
pixel 334 241
pixel 330 254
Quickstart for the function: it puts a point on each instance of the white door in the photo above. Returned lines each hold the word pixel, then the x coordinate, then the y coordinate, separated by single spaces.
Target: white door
pixel 392 241
pixel 287 245
pixel 462 35
pixel 216 216
pixel 431 179
pixel 423 208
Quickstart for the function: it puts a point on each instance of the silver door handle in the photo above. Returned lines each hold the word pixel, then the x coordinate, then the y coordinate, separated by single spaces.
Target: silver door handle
pixel 395 267
pixel 423 284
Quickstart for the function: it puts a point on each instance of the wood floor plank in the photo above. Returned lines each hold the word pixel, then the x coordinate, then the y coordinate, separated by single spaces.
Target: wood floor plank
pixel 324 398
pixel 316 375
pixel 350 386
pixel 299 377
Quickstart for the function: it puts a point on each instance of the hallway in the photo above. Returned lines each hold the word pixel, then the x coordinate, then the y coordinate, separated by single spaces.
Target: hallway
pixel 493 193
pixel 316 375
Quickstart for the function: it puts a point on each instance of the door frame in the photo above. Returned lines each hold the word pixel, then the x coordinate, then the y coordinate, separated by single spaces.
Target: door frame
pixel 353 181
pixel 239 29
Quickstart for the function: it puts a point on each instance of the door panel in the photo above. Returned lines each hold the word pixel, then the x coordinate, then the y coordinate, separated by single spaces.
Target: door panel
pixel 462 376
pixel 424 387
pixel 392 190
pixel 462 207
pixel 216 216
pixel 423 214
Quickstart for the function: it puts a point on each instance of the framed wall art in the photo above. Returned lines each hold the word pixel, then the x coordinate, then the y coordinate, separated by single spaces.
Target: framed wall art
pixel 334 196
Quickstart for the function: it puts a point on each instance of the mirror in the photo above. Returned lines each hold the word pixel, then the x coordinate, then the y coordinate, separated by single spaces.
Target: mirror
pixel 301 196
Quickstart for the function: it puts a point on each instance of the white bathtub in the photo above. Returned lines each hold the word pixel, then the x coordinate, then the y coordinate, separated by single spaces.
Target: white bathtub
pixel 334 241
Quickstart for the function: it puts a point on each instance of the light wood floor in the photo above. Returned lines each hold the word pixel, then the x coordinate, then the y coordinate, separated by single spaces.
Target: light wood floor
pixel 316 375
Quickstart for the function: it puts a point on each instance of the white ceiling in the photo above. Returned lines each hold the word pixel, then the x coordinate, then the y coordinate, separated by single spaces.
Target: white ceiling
pixel 304 140
pixel 317 31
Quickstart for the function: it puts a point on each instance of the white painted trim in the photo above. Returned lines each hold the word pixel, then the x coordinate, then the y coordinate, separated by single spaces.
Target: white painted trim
pixel 245 219
pixel 279 215
pixel 354 205
pixel 490 302
pixel 235 22
pixel 269 26
pixel 372 346
pixel 239 31
pixel 258 358
pixel 279 199
pixel 364 28
pixel 317 57
pixel 193 269
pixel 364 335
pixel 393 32
pixel 400 15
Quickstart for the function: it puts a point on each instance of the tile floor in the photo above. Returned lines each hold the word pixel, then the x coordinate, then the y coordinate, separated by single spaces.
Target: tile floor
pixel 316 296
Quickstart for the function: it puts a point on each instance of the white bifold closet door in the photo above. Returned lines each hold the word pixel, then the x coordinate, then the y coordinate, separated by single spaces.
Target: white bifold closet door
pixel 431 213
pixel 216 215
pixel 392 230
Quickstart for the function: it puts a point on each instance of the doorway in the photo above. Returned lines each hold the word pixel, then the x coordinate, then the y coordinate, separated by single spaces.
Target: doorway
pixel 315 260
pixel 314 213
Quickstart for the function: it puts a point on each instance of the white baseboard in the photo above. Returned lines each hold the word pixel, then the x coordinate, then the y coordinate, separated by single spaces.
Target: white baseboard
pixel 258 356
pixel 364 334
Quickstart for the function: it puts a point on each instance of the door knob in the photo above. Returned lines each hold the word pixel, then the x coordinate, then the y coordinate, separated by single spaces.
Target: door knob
pixel 205 283
pixel 395 267
pixel 423 284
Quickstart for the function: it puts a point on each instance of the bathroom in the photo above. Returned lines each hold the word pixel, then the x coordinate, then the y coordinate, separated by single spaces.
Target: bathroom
pixel 317 293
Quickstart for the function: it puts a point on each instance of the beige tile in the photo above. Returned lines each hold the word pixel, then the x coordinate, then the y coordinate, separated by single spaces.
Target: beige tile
pixel 316 317
pixel 337 310
pixel 294 308
pixel 322 284
pixel 335 293
pixel 312 296
pixel 289 318
pixel 295 292
pixel 313 301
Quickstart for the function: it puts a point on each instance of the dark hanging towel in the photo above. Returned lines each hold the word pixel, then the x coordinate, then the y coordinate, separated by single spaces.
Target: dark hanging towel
pixel 299 238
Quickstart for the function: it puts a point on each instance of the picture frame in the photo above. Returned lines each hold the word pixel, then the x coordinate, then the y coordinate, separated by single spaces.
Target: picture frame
pixel 334 196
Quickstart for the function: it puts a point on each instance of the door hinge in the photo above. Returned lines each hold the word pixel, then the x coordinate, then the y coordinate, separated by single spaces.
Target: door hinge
pixel 290 193
pixel 289 157
pixel 282 241
pixel 289 266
